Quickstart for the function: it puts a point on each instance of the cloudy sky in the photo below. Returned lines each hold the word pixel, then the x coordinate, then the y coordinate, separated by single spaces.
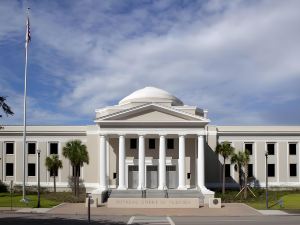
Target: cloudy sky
pixel 238 59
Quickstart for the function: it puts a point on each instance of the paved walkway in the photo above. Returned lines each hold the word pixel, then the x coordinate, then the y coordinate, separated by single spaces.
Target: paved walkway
pixel 228 209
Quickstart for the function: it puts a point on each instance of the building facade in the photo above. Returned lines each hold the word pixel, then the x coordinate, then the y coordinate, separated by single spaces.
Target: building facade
pixel 152 140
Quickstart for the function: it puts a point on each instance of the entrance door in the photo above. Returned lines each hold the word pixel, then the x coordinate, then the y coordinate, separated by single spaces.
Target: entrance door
pixel 133 177
pixel 171 177
pixel 152 177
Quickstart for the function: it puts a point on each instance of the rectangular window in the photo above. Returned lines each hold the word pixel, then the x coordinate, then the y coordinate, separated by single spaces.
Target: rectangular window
pixel 292 148
pixel 170 143
pixel 31 169
pixel 53 148
pixel 9 146
pixel 293 170
pixel 250 170
pixel 151 143
pixel 52 173
pixel 271 148
pixel 271 170
pixel 31 147
pixel 227 170
pixel 249 147
pixel 133 143
pixel 9 168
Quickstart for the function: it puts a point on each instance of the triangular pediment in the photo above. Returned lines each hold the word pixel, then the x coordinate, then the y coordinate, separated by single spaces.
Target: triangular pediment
pixel 152 113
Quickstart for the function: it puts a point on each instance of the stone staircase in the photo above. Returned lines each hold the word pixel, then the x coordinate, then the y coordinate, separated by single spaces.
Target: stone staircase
pixel 153 193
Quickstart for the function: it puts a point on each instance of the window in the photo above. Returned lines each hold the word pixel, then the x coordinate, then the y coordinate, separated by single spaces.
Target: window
pixel 293 170
pixel 227 170
pixel 250 170
pixel 31 148
pixel 151 143
pixel 9 169
pixel 53 148
pixel 249 147
pixel 271 170
pixel 52 173
pixel 271 148
pixel 292 148
pixel 133 143
pixel 31 169
pixel 9 146
pixel 170 143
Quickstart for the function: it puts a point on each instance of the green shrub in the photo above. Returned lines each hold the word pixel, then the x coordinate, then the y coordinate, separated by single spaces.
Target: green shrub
pixel 3 187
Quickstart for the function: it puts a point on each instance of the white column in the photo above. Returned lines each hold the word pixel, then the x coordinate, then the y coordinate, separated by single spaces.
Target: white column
pixel 200 162
pixel 122 185
pixel 141 185
pixel 102 160
pixel 181 162
pixel 162 163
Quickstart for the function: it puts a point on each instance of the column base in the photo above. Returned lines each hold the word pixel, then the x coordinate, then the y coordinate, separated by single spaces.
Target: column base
pixel 141 187
pixel 163 187
pixel 182 188
pixel 205 191
pixel 122 188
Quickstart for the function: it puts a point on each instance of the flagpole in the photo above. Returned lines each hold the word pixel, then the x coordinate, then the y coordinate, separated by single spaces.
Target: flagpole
pixel 25 94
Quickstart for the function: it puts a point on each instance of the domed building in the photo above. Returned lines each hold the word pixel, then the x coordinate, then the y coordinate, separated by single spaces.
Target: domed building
pixel 151 142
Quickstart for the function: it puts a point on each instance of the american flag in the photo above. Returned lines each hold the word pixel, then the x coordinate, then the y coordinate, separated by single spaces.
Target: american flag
pixel 28 36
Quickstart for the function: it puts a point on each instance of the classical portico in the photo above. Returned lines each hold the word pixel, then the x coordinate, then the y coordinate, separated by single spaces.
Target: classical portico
pixel 152 141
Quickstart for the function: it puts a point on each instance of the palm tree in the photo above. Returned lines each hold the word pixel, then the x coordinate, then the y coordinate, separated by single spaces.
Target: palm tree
pixel 244 163
pixel 225 150
pixel 53 164
pixel 242 160
pixel 76 152
pixel 6 108
pixel 237 159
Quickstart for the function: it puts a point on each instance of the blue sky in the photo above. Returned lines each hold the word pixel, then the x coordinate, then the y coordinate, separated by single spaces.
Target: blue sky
pixel 238 59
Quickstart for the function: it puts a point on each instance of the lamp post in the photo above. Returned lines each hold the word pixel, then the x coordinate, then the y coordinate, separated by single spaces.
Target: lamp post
pixel 39 197
pixel 267 171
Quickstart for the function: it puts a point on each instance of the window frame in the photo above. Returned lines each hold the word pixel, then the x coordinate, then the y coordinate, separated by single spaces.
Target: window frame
pixel 171 140
pixel 272 164
pixel 271 143
pixel 149 143
pixel 13 169
pixel 227 165
pixel 53 142
pixel 292 143
pixel 13 148
pixel 293 164
pixel 31 142
pixel 131 143
pixel 249 143
pixel 34 169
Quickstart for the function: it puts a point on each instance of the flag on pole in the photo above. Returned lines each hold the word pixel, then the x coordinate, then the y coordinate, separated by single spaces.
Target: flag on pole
pixel 28 35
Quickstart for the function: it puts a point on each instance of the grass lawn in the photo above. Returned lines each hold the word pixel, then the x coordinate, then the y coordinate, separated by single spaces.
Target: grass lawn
pixel 48 200
pixel 5 201
pixel 291 199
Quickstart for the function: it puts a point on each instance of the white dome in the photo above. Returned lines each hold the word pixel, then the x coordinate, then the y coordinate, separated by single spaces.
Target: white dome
pixel 151 94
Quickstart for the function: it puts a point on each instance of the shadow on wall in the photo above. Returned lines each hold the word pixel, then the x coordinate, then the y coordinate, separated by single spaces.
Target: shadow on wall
pixel 213 173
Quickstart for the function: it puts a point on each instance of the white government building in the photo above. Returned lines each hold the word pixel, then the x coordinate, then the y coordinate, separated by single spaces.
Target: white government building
pixel 152 140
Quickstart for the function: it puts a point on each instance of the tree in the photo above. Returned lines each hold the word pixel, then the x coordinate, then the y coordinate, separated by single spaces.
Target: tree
pixel 53 164
pixel 225 150
pixel 242 160
pixel 6 108
pixel 237 158
pixel 76 152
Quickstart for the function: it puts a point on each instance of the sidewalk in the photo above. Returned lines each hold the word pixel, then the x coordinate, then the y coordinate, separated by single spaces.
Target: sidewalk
pixel 228 209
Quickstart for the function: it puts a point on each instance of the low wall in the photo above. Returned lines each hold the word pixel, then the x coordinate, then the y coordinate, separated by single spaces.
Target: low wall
pixel 153 203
